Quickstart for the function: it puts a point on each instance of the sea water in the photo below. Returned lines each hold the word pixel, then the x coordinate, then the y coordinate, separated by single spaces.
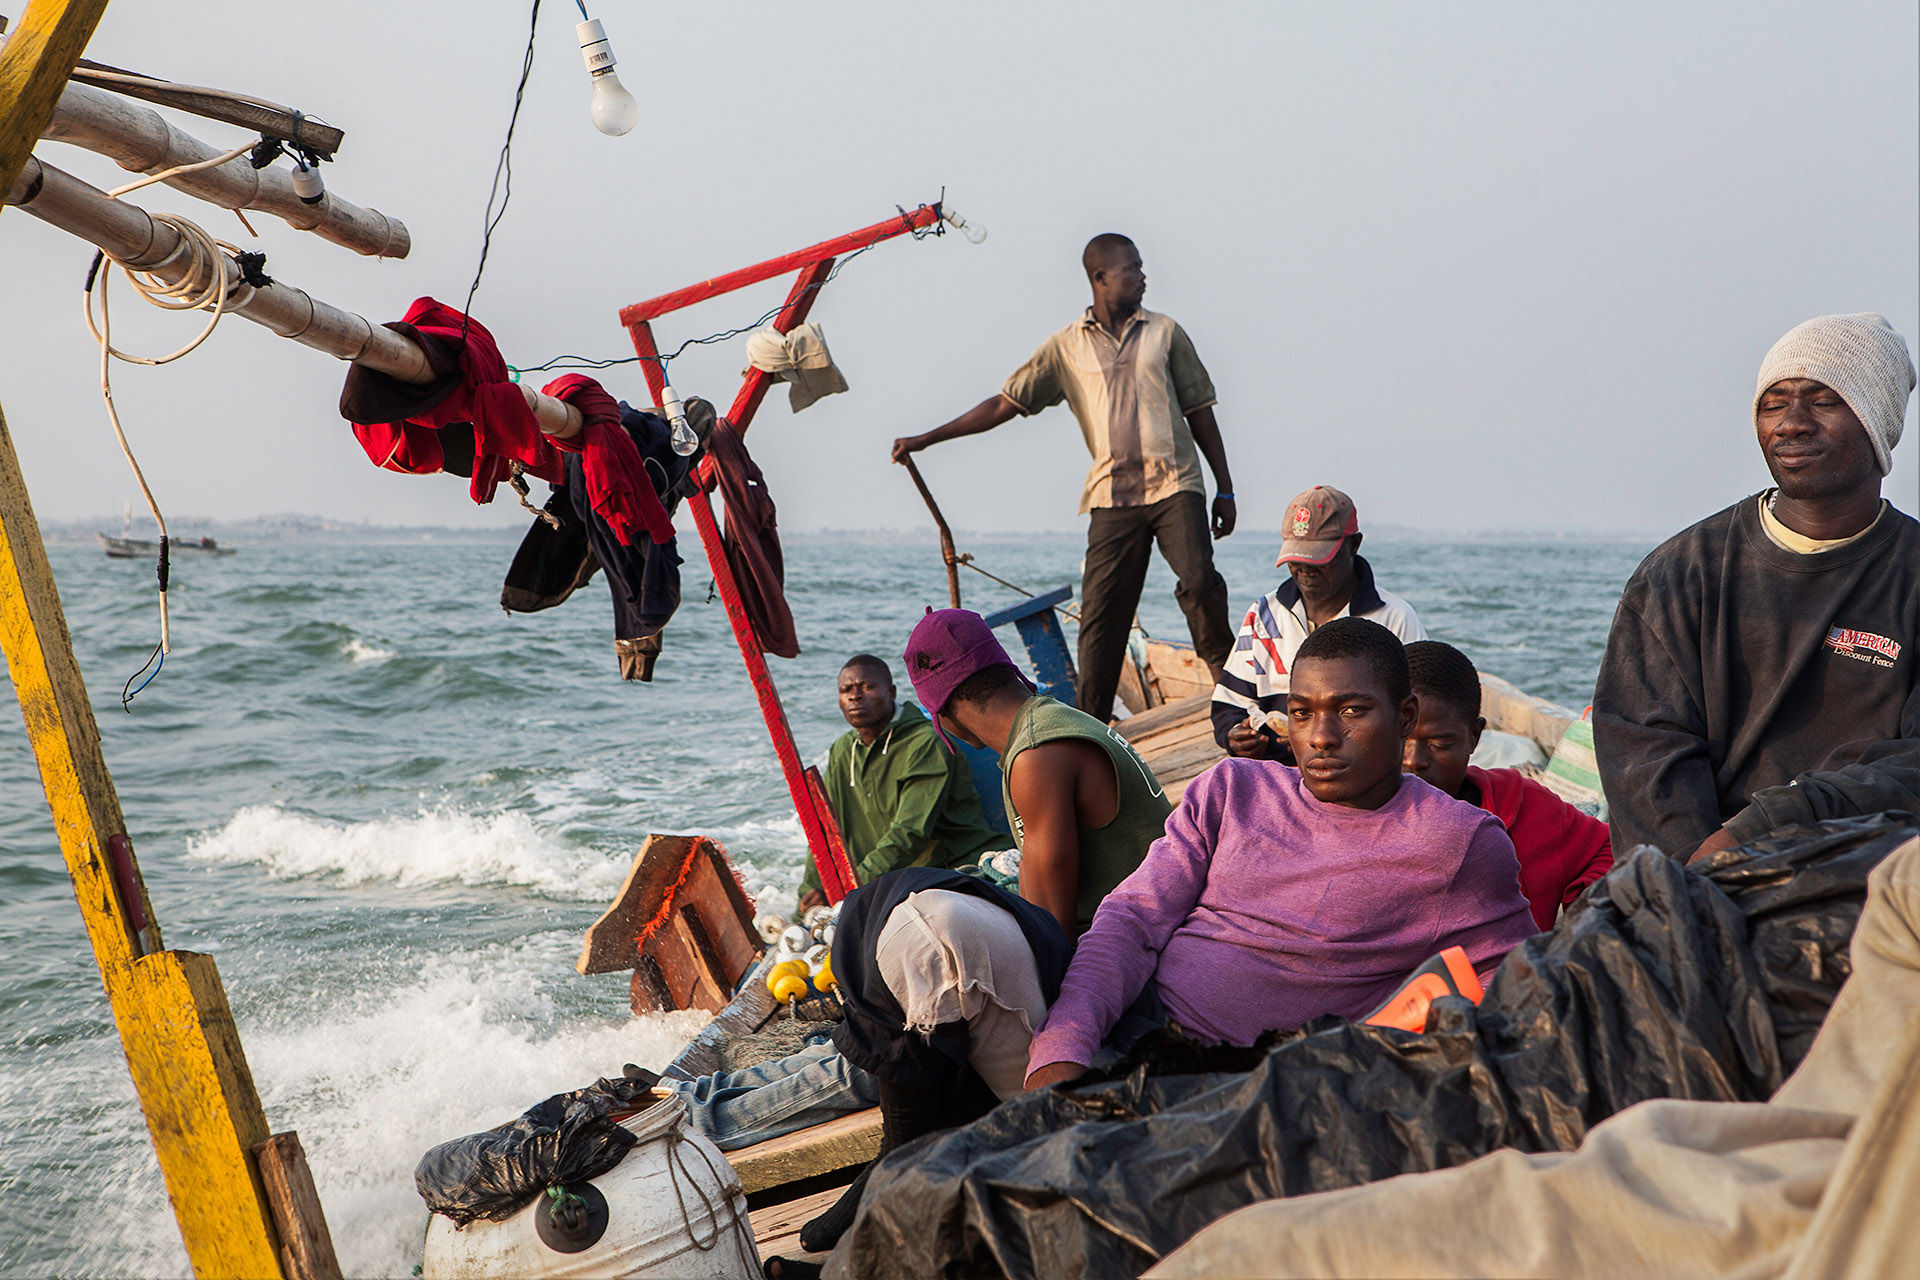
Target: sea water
pixel 390 810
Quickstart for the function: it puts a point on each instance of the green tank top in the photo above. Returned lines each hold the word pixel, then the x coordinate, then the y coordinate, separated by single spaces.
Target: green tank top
pixel 1108 854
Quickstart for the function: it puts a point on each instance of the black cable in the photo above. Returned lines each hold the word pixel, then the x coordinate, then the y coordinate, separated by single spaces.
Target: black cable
pixel 504 166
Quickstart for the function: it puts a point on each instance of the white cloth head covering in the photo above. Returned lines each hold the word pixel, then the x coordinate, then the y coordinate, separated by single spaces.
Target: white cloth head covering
pixel 1859 356
pixel 800 358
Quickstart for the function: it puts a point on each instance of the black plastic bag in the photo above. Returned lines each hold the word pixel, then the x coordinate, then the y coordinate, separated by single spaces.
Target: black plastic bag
pixel 569 1138
pixel 1661 983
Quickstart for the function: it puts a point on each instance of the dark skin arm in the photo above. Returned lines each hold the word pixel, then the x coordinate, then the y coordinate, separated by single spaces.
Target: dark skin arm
pixel 1248 743
pixel 985 416
pixel 1720 839
pixel 1055 1073
pixel 1206 434
pixel 1059 787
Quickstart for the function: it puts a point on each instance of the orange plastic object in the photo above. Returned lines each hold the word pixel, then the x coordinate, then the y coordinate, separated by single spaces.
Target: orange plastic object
pixel 1447 974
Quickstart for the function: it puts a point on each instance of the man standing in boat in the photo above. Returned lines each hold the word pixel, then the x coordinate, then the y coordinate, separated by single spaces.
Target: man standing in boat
pixel 1764 665
pixel 902 799
pixel 1145 407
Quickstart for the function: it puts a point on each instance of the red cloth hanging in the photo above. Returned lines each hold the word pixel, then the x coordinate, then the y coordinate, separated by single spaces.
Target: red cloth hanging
pixel 618 485
pixel 481 396
pixel 424 427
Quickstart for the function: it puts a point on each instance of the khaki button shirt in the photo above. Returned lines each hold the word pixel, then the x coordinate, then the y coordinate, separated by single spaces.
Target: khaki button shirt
pixel 1131 398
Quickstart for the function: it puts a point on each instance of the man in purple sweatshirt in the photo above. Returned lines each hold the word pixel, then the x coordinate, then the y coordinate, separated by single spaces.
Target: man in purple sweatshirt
pixel 1279 894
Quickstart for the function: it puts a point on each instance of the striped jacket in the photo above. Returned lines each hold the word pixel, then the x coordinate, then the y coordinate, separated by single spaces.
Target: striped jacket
pixel 1256 672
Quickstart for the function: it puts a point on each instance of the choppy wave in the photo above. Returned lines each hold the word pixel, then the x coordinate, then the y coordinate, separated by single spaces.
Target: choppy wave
pixel 435 846
pixel 358 650
pixel 374 1079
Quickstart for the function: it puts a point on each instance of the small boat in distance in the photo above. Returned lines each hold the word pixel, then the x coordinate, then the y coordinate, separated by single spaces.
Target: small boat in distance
pixel 144 549
pixel 127 547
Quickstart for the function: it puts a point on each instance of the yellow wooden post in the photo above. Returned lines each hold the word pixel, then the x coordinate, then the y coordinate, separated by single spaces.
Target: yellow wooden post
pixel 179 1037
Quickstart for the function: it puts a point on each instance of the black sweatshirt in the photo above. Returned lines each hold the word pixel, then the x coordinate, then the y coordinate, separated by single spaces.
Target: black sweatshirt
pixel 1737 667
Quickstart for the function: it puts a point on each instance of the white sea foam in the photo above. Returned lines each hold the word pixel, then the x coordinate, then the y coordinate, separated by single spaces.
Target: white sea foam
pixel 372 1080
pixel 358 650
pixel 434 846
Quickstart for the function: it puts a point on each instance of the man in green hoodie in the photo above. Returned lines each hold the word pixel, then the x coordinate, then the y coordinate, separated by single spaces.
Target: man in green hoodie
pixel 901 797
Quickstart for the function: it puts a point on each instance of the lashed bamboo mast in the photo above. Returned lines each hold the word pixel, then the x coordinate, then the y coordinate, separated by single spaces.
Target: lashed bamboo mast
pixel 130 235
pixel 139 139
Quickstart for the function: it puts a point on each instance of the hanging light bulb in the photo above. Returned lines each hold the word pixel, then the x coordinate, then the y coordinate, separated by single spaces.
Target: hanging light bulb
pixel 685 440
pixel 973 231
pixel 614 111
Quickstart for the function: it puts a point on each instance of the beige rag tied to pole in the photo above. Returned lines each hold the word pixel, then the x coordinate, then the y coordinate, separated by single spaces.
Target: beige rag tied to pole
pixel 799 358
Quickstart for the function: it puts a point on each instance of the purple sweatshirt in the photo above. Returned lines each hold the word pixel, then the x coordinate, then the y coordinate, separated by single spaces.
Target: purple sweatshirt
pixel 1262 908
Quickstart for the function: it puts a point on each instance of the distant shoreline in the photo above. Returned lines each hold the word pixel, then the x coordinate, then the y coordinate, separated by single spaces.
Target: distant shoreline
pixel 299 528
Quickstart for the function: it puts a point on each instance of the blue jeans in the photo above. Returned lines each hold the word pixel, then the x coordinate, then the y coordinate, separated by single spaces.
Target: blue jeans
pixel 735 1109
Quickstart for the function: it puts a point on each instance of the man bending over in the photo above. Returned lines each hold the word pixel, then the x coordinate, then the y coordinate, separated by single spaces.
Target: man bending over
pixel 1561 849
pixel 1280 894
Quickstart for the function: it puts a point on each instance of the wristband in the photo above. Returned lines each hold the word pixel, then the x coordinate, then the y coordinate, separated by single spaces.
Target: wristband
pixel 1227 496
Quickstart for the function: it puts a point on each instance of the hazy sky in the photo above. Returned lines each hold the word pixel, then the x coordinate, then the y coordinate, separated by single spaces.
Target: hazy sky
pixel 1482 266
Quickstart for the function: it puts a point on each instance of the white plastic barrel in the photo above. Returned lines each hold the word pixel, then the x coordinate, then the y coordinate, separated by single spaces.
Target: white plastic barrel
pixel 675 1210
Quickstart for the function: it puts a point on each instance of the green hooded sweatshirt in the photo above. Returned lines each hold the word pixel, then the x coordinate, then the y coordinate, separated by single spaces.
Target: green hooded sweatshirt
pixel 905 801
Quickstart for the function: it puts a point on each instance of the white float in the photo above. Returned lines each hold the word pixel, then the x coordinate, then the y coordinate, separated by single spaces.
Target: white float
pixel 675 1210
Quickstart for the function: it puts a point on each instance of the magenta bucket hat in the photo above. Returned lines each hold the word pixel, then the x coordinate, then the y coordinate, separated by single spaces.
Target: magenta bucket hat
pixel 946 647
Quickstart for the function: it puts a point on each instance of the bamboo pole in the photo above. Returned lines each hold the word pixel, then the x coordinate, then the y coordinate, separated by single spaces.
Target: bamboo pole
pixel 140 140
pixel 131 235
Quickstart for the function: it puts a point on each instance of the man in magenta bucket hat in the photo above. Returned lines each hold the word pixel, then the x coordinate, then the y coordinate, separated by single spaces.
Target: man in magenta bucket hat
pixel 1083 807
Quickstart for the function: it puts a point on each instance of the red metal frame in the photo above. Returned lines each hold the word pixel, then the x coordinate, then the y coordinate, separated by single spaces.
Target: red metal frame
pixel 815 265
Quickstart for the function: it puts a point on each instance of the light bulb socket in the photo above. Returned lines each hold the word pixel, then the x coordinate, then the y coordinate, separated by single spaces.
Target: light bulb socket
pixel 308 184
pixel 594 49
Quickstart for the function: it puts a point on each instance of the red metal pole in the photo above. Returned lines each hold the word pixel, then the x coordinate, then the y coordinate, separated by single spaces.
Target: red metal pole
pixel 915 220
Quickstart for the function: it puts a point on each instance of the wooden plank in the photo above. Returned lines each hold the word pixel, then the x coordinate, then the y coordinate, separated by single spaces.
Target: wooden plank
pixel 1133 728
pixel 609 944
pixel 181 1046
pixel 1179 735
pixel 1186 761
pixel 201 1107
pixel 1176 671
pixel 306 1249
pixel 34 65
pixel 837 1144
pixel 275 122
pixel 776 1228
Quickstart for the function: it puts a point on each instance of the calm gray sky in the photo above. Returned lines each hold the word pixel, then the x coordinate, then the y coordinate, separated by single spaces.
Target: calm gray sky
pixel 1484 266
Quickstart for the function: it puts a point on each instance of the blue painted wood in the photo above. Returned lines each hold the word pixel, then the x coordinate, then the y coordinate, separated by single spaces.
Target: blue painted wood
pixel 1030 606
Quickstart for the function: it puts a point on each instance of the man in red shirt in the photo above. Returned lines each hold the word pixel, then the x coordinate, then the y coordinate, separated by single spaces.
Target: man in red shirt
pixel 1562 850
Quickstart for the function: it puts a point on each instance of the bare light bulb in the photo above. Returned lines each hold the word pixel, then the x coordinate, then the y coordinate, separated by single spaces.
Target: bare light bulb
pixel 684 438
pixel 973 231
pixel 614 111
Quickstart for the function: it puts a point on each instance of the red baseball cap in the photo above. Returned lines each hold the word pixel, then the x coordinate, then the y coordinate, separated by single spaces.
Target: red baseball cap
pixel 1318 521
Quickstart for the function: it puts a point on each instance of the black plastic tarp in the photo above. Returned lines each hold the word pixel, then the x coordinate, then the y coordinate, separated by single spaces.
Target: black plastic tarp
pixel 570 1138
pixel 1662 983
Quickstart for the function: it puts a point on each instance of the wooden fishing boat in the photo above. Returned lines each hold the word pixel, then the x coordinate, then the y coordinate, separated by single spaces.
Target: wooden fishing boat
pixel 792 1179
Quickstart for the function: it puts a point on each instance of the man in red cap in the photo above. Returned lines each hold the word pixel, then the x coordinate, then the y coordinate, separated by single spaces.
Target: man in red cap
pixel 1145 407
pixel 1083 806
pixel 1328 578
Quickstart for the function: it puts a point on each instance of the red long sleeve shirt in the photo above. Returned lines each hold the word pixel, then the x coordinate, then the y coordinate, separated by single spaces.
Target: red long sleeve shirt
pixel 1562 850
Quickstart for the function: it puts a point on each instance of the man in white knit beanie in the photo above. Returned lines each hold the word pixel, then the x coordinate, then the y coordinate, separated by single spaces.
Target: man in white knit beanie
pixel 1764 665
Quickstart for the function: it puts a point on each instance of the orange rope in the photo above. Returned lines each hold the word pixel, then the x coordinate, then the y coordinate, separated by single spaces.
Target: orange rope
pixel 661 916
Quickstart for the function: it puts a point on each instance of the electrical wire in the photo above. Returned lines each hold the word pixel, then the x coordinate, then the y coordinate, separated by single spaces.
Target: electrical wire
pixel 590 362
pixel 179 169
pixel 503 168
pixel 208 264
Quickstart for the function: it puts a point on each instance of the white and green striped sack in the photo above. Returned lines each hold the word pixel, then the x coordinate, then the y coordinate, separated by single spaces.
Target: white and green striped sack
pixel 1574 774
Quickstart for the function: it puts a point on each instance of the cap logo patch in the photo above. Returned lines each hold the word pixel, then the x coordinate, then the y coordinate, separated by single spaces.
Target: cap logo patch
pixel 924 662
pixel 1302 518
